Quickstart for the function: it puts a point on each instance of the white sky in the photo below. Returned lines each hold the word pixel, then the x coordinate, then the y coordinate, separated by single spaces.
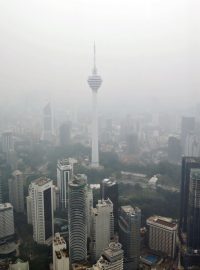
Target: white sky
pixel 145 48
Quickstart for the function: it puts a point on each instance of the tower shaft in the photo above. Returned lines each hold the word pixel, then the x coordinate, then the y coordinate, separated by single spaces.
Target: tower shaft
pixel 95 146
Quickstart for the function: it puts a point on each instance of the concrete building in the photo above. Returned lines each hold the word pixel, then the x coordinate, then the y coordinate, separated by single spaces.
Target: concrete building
pixel 16 191
pixel 60 254
pixel 94 82
pixel 48 128
pixel 29 209
pixel 41 193
pixel 77 218
pixel 64 176
pixel 162 235
pixel 109 190
pixel 6 220
pixel 129 235
pixel 7 142
pixel 111 259
pixel 89 207
pixel 102 229
pixel 19 265
pixel 187 126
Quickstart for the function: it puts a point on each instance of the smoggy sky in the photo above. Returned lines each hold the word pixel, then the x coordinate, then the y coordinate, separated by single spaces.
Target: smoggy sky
pixel 145 49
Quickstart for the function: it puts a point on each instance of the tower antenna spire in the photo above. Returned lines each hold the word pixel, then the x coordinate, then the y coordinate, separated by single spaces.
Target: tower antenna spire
pixel 95 68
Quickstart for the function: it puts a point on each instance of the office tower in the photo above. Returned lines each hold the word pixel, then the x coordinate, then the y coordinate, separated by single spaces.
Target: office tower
pixel 1 191
pixel 192 145
pixel 89 207
pixel 77 218
pixel 6 221
pixel 102 229
pixel 64 175
pixel 187 126
pixel 129 235
pixel 162 235
pixel 60 254
pixel 41 193
pixel 56 198
pixel 47 132
pixel 19 265
pixel 65 134
pixel 109 189
pixel 174 149
pixel 29 209
pixel 193 229
pixel 7 142
pixel 111 259
pixel 188 163
pixel 94 82
pixel 16 191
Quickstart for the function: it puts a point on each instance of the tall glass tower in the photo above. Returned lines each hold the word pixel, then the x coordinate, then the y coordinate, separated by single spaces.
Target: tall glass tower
pixel 94 82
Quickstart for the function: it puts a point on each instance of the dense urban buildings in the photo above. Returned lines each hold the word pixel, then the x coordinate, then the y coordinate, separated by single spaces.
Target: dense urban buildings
pixel 77 218
pixel 129 235
pixel 94 82
pixel 41 193
pixel 102 228
pixel 60 254
pixel 6 221
pixel 109 190
pixel 162 233
pixel 16 191
pixel 64 176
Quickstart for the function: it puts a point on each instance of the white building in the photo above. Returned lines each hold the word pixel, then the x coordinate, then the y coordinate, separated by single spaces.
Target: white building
pixel 6 220
pixel 29 209
pixel 162 235
pixel 64 176
pixel 41 193
pixel 77 218
pixel 60 255
pixel 16 191
pixel 102 229
pixel 111 259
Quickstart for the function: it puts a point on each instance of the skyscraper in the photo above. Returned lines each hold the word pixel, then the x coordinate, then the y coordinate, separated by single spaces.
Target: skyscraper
pixel 187 126
pixel 94 82
pixel 6 220
pixel 77 218
pixel 1 191
pixel 41 193
pixel 129 235
pixel 64 175
pixel 16 191
pixel 60 254
pixel 102 229
pixel 111 259
pixel 109 189
pixel 47 132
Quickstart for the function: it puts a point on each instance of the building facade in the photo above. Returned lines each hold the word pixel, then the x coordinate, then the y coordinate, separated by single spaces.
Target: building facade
pixel 162 235
pixel 41 193
pixel 16 191
pixel 129 235
pixel 6 220
pixel 60 254
pixel 77 218
pixel 64 176
pixel 102 229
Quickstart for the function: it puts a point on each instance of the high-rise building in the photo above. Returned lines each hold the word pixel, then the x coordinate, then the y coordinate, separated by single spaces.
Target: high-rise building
pixel 77 218
pixel 60 254
pixel 89 205
pixel 111 259
pixel 192 145
pixel 29 209
pixel 1 191
pixel 162 235
pixel 102 229
pixel 174 149
pixel 41 193
pixel 6 220
pixel 109 189
pixel 16 191
pixel 64 175
pixel 94 82
pixel 188 163
pixel 193 220
pixel 65 134
pixel 47 132
pixel 129 235
pixel 187 126
pixel 7 142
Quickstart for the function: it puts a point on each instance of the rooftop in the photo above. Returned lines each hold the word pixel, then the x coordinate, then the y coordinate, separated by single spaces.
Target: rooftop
pixel 4 206
pixel 167 222
pixel 42 181
pixel 129 210
pixel 109 181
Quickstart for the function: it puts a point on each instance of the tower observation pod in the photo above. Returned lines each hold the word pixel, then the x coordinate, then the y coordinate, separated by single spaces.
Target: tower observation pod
pixel 94 82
